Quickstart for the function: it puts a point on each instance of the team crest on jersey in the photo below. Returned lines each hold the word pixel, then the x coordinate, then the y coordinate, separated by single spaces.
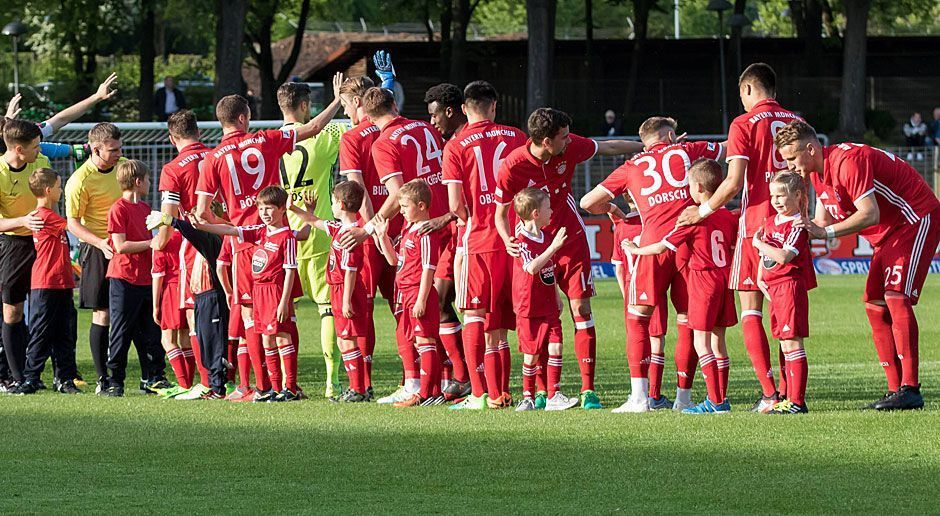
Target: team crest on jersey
pixel 547 274
pixel 259 260
pixel 562 167
pixel 768 262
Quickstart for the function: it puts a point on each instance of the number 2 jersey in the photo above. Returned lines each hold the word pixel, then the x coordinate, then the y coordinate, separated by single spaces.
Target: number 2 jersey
pixel 472 158
pixel 412 149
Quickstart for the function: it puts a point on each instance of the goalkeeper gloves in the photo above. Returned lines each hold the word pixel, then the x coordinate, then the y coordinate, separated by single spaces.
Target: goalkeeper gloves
pixel 384 68
pixel 157 219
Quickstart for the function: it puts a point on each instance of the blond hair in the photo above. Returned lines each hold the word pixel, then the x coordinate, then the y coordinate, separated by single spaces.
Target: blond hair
pixel 527 201
pixel 416 191
pixel 129 172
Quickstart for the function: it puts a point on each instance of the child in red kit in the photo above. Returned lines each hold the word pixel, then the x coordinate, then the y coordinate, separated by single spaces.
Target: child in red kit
pixel 786 272
pixel 168 312
pixel 416 260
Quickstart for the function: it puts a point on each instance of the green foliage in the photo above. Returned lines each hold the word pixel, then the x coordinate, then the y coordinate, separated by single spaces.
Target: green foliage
pixel 883 127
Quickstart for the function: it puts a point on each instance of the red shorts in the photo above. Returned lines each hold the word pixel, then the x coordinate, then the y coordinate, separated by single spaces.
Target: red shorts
pixel 172 317
pixel 744 265
pixel 266 297
pixel 711 302
pixel 535 334
pixel 445 264
pixel 241 274
pixel 789 309
pixel 573 268
pixel 236 326
pixel 653 276
pixel 429 324
pixel 377 274
pixel 348 329
pixel 485 283
pixel 901 263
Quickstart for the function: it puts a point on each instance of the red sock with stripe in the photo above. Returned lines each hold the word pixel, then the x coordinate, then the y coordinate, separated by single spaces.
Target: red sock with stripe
pixel 554 374
pixel 686 358
pixel 880 320
pixel 638 344
pixel 758 350
pixel 474 344
pixel 585 349
pixel 178 363
pixel 244 366
pixel 232 348
pixel 905 330
pixel 197 352
pixel 797 369
pixel 408 354
pixel 712 382
pixel 541 373
pixel 528 380
pixel 724 365
pixel 355 370
pixel 257 357
pixel 366 345
pixel 452 340
pixel 430 369
pixel 657 364
pixel 190 359
pixel 505 361
pixel 288 355
pixel 493 366
pixel 273 362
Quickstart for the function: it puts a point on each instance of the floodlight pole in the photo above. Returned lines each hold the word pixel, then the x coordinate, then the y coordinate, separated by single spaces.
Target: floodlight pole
pixel 16 68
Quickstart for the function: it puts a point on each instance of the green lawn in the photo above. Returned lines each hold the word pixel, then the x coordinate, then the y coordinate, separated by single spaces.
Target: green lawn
pixel 139 454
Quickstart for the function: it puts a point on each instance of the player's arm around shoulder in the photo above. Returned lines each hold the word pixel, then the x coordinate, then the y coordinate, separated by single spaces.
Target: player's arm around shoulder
pixel 536 264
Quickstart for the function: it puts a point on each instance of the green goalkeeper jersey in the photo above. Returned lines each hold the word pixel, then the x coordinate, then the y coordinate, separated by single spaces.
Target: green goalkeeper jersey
pixel 309 168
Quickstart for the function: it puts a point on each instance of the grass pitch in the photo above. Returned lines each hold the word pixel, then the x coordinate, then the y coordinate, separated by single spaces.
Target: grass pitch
pixel 143 455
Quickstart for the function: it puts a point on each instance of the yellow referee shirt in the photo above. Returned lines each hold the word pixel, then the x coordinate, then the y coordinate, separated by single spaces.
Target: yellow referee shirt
pixel 89 195
pixel 16 199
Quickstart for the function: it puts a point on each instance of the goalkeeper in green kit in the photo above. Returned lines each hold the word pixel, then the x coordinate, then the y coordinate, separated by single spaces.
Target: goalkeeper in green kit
pixel 309 168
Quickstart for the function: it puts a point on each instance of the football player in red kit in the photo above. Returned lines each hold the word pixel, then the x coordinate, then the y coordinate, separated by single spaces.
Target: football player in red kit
pixel 548 162
pixel 885 200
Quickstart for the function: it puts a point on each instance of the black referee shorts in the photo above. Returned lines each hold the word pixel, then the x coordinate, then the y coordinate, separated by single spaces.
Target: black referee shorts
pixel 17 255
pixel 93 286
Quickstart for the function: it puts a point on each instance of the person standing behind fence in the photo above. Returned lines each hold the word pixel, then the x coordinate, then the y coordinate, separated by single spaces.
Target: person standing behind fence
pixel 89 194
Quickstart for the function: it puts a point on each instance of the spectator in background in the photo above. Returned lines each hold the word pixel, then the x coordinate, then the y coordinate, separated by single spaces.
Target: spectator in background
pixel 168 100
pixel 915 135
pixel 611 125
pixel 933 129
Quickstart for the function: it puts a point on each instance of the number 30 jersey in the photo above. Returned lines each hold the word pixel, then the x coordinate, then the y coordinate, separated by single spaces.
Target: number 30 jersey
pixel 242 165
pixel 471 159
pixel 657 180
pixel 412 149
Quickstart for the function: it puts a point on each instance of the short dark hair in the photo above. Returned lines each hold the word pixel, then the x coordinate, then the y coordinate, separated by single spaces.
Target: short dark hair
pixel 546 122
pixel 708 173
pixel 19 132
pixel 182 124
pixel 230 107
pixel 104 131
pixel 273 195
pixel 760 75
pixel 445 94
pixel 377 102
pixel 350 193
pixel 40 179
pixel 479 95
pixel 291 94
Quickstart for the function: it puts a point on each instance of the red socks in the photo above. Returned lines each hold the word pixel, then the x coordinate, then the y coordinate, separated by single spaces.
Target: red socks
pixel 528 380
pixel 494 372
pixel 366 345
pixel 657 363
pixel 638 344
pixel 724 365
pixel 905 331
pixel 554 374
pixel 782 384
pixel 257 357
pixel 430 370
pixel 585 348
pixel 244 366
pixel 355 370
pixel 273 361
pixel 178 363
pixel 880 320
pixel 473 348
pixel 288 355
pixel 797 371
pixel 505 361
pixel 755 341
pixel 712 381
pixel 189 358
pixel 686 359
pixel 197 353
pixel 452 340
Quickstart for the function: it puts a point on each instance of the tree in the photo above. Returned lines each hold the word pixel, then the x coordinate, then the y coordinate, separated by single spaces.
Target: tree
pixel 229 26
pixel 463 13
pixel 854 53
pixel 641 16
pixel 148 53
pixel 540 18
pixel 258 39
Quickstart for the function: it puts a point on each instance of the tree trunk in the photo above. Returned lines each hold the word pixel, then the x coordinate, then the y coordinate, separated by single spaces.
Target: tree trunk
pixel 447 16
pixel 540 20
pixel 588 28
pixel 229 29
pixel 736 34
pixel 458 44
pixel 852 106
pixel 148 52
pixel 641 15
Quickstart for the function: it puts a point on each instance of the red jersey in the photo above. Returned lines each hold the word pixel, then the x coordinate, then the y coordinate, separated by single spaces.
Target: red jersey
pixel 751 138
pixel 227 254
pixel 179 177
pixel 416 254
pixel 276 252
pixel 472 158
pixel 166 262
pixel 838 206
pixel 522 170
pixel 533 295
pixel 854 171
pixel 242 165
pixel 711 241
pixel 342 260
pixel 657 181
pixel 412 149
pixel 627 229
pixel 53 266
pixel 355 156
pixel 130 219
pixel 779 232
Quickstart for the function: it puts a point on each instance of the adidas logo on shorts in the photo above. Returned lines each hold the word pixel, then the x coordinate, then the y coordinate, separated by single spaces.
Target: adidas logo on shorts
pixel 748 281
